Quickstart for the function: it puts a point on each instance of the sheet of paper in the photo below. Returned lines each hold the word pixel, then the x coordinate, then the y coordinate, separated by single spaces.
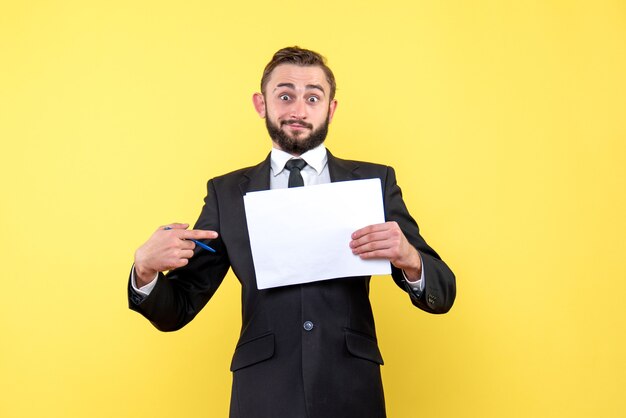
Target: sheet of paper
pixel 302 234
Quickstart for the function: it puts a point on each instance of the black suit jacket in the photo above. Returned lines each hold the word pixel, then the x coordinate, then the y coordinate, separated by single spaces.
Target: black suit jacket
pixel 281 368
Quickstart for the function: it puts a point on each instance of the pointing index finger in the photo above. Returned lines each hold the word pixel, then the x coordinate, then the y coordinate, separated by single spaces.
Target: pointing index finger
pixel 198 234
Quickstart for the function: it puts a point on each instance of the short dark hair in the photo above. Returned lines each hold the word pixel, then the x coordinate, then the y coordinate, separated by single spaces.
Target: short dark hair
pixel 302 57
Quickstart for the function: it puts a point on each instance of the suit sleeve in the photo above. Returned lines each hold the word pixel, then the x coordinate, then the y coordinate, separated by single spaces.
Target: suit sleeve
pixel 179 295
pixel 440 291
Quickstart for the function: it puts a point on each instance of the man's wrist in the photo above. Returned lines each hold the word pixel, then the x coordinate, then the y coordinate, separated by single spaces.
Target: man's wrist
pixel 416 285
pixel 143 290
pixel 412 275
pixel 413 272
pixel 144 277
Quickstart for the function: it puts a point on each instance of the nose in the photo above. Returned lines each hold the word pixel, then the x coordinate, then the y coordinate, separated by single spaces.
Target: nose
pixel 298 109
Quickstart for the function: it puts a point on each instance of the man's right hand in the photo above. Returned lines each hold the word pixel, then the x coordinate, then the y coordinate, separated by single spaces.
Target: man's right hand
pixel 168 248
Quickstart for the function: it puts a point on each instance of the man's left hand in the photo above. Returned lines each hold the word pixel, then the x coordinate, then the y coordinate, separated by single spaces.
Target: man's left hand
pixel 387 241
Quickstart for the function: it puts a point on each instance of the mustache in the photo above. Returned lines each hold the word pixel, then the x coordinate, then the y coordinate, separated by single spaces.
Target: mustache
pixel 296 121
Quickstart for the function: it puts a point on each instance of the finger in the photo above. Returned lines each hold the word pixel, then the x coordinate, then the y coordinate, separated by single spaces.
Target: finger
pixel 382 254
pixel 198 234
pixel 175 225
pixel 186 253
pixel 179 259
pixel 371 237
pixel 187 245
pixel 179 263
pixel 372 247
pixel 369 229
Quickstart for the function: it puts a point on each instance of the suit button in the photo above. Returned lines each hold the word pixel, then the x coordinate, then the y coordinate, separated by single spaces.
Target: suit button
pixel 308 326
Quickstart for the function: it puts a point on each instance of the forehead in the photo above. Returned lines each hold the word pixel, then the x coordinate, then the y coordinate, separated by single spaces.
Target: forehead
pixel 299 76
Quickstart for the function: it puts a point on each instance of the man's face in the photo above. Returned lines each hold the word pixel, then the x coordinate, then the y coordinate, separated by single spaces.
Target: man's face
pixel 296 107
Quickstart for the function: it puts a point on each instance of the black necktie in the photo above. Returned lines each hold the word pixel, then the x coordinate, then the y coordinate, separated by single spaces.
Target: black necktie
pixel 294 167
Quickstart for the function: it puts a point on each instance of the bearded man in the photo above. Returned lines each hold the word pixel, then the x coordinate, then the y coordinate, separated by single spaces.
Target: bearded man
pixel 306 350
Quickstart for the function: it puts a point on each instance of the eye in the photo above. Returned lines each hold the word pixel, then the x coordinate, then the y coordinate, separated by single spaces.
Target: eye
pixel 284 97
pixel 313 99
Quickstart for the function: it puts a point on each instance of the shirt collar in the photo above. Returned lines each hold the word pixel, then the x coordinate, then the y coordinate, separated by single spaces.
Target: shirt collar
pixel 316 158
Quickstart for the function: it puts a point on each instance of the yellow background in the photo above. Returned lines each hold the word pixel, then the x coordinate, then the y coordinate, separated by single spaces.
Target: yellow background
pixel 504 120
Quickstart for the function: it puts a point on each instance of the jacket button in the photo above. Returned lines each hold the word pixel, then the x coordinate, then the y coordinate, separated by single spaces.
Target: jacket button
pixel 308 326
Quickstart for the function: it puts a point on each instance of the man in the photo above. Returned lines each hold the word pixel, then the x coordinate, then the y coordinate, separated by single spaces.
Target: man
pixel 305 350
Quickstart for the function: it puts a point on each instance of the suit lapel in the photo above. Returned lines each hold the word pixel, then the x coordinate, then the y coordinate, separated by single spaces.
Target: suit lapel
pixel 256 178
pixel 342 170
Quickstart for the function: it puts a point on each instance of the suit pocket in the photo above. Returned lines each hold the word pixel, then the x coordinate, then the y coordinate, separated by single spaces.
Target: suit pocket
pixel 362 346
pixel 253 351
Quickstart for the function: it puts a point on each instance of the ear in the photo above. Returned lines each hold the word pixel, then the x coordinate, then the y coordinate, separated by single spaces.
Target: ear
pixel 259 104
pixel 331 109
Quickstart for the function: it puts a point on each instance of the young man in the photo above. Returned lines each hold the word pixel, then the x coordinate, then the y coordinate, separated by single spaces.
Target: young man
pixel 305 350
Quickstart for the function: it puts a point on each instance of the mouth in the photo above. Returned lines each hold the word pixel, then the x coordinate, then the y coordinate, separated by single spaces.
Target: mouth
pixel 297 124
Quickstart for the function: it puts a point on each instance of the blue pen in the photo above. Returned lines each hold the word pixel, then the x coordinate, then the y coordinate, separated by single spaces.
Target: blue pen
pixel 200 244
pixel 203 245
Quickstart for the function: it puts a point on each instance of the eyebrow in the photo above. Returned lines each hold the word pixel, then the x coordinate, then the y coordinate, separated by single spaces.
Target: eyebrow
pixel 307 87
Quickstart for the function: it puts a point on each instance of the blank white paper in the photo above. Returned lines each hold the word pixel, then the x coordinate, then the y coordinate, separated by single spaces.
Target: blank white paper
pixel 303 234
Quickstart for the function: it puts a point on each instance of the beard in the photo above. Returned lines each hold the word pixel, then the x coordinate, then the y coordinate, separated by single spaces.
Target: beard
pixel 299 144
